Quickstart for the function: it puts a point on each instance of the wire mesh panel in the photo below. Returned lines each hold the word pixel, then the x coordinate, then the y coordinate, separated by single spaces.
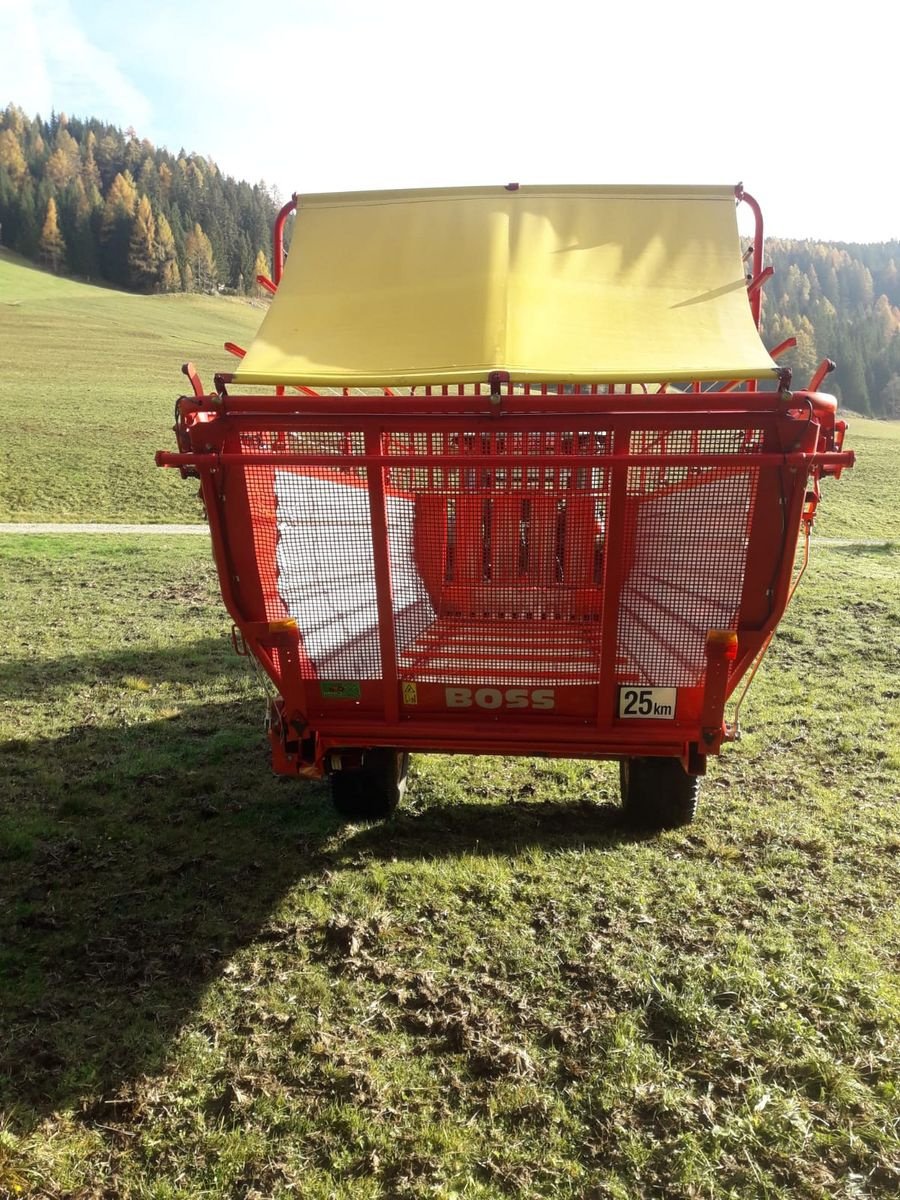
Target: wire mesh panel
pixel 511 556
pixel 686 530
pixel 497 550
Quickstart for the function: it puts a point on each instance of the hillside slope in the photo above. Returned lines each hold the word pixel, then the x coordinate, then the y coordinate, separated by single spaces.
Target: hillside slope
pixel 88 379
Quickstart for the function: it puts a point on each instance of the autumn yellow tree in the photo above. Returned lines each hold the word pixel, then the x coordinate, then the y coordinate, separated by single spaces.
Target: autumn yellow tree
pixel 199 264
pixel 167 258
pixel 11 156
pixel 116 225
pixel 143 261
pixel 261 268
pixel 64 164
pixel 52 247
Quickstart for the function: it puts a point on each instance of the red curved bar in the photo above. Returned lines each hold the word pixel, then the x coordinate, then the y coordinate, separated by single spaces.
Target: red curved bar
pixel 278 238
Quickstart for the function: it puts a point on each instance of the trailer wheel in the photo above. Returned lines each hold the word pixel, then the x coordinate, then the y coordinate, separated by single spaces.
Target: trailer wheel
pixel 657 793
pixel 373 790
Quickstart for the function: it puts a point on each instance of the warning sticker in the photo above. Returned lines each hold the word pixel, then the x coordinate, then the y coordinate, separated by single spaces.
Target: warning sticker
pixel 339 689
pixel 410 694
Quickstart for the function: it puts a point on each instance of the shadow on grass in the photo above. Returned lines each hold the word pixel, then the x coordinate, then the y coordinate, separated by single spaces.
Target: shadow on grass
pixel 139 860
pixel 441 830
pixel 863 549
pixel 186 663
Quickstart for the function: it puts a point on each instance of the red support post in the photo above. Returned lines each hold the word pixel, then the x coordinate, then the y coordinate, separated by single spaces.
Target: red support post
pixel 381 554
pixel 721 651
pixel 278 240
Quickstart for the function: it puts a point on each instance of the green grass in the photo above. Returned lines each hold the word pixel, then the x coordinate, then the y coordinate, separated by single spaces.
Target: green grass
pixel 863 503
pixel 87 391
pixel 211 989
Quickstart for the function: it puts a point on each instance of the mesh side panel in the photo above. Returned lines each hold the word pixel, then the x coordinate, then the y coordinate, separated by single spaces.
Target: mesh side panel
pixel 643 481
pixel 688 530
pixel 326 571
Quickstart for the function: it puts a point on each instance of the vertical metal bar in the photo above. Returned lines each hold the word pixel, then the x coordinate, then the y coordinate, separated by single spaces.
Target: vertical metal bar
pixel 278 239
pixel 383 591
pixel 758 240
pixel 613 559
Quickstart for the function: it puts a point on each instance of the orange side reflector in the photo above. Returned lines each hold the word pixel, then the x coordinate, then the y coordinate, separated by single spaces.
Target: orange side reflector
pixel 723 640
pixel 286 625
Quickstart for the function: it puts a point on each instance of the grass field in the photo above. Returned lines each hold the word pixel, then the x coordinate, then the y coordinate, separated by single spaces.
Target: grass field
pixel 209 988
pixel 88 381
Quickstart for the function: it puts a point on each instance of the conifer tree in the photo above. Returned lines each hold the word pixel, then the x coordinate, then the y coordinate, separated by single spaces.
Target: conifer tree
pixel 143 257
pixel 28 231
pixel 261 268
pixel 65 161
pixel 75 210
pixel 115 227
pixel 167 265
pixel 52 247
pixel 11 156
pixel 890 397
pixel 804 357
pixel 200 266
pixel 90 172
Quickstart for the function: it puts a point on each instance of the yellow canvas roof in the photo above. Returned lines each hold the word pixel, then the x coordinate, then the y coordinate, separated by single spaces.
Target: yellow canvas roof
pixel 577 284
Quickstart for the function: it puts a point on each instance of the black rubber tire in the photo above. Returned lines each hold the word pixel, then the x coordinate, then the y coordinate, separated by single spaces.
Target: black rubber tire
pixel 372 791
pixel 657 793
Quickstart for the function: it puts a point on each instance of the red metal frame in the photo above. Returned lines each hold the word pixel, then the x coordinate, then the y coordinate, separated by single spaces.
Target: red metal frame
pixel 652 452
pixel 799 445
pixel 278 241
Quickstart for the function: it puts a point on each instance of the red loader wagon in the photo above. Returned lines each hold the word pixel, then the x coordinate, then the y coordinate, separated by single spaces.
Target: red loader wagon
pixel 509 471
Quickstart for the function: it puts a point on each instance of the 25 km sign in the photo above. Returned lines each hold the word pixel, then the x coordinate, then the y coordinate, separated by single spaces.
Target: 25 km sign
pixel 648 702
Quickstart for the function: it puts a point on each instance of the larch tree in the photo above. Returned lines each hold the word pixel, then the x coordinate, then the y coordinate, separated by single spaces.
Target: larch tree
pixel 116 225
pixel 51 247
pixel 261 268
pixel 90 172
pixel 77 207
pixel 167 258
pixel 143 259
pixel 12 157
pixel 199 263
pixel 64 164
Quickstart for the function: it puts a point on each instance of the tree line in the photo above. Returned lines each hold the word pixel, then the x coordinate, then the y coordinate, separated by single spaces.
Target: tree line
pixel 840 301
pixel 86 199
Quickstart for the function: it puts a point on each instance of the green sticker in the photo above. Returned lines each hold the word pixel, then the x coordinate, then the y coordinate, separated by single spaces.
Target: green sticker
pixel 339 689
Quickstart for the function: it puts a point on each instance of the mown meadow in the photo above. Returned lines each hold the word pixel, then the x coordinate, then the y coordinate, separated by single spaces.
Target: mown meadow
pixel 211 988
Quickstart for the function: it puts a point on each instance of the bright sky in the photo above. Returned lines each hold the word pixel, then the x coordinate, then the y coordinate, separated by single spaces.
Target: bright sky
pixel 796 98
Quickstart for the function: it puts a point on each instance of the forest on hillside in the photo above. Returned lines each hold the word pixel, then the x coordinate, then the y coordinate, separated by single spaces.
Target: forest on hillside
pixel 84 198
pixel 840 301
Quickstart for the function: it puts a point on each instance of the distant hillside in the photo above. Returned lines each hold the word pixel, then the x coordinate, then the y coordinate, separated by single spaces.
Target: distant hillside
pixel 90 376
pixel 86 199
pixel 841 301
pixel 83 198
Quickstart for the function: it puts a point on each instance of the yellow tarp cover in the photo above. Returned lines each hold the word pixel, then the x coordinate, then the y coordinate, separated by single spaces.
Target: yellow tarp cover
pixel 579 284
